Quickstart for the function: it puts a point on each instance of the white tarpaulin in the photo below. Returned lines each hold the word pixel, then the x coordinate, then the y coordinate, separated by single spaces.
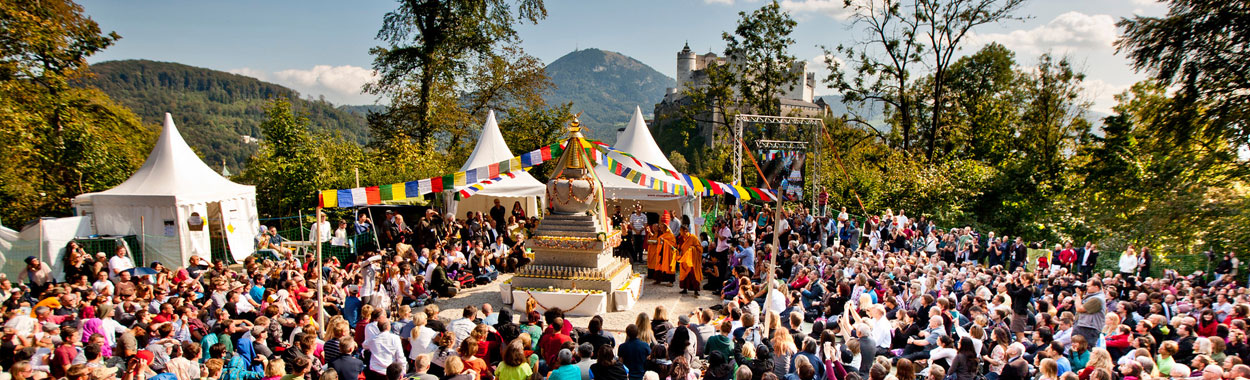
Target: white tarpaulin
pixel 636 140
pixel 55 234
pixel 491 148
pixel 169 198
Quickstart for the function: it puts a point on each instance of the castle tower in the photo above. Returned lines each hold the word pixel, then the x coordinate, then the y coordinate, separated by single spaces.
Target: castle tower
pixel 685 67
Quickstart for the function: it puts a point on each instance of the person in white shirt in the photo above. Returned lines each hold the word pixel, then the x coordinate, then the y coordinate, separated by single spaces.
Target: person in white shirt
pixel 385 349
pixel 120 262
pixel 1128 262
pixel 372 330
pixel 340 235
pixel 102 285
pixel 322 228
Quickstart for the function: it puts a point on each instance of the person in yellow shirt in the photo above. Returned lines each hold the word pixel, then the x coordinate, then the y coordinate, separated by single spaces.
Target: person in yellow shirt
pixel 689 261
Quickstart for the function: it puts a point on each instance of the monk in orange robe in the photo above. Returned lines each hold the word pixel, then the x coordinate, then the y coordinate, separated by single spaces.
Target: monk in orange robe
pixel 689 261
pixel 665 255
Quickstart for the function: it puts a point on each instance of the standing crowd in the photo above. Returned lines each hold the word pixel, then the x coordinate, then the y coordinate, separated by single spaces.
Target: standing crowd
pixel 895 298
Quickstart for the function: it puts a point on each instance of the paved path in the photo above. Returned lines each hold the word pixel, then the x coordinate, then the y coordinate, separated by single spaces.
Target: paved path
pixel 615 322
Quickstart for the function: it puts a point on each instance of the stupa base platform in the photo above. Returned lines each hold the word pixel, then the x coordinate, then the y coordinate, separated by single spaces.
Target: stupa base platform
pixel 575 302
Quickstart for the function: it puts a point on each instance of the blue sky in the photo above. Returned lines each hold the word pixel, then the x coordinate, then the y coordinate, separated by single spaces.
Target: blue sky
pixel 322 47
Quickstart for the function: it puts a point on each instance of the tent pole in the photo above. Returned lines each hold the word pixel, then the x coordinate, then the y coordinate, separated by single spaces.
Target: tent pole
pixel 143 237
pixel 299 224
pixel 321 308
pixel 41 250
pixel 225 245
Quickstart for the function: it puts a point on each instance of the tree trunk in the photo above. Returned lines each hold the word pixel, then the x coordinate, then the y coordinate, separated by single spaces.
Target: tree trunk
pixel 937 111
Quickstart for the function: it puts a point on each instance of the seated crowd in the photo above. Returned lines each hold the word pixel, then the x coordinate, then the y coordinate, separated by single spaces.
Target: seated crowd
pixel 892 298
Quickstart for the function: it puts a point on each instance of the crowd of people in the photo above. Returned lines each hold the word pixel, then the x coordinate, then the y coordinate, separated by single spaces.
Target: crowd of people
pixel 891 298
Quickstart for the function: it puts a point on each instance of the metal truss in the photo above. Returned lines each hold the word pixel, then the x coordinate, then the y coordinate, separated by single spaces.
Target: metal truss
pixel 740 121
pixel 781 145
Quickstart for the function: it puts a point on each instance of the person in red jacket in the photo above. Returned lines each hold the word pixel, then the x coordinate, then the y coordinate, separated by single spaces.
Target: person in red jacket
pixel 1207 325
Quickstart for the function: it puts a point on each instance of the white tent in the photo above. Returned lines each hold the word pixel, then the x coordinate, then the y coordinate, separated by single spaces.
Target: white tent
pixel 54 233
pixel 490 149
pixel 636 140
pixel 181 206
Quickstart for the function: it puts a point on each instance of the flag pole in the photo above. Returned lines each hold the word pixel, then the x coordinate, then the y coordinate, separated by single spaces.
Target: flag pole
pixel 321 308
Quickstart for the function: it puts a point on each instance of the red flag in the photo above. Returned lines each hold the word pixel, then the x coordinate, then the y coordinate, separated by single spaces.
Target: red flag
pixel 372 196
pixel 493 169
pixel 717 189
pixel 436 184
pixel 546 151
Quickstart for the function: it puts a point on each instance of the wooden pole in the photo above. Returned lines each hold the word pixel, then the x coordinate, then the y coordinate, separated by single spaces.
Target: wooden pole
pixel 321 308
pixel 772 258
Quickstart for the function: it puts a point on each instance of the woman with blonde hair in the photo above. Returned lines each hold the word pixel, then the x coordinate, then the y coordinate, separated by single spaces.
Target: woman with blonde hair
pixel 275 369
pixel 1113 321
pixel 1164 362
pixel 660 325
pixel 645 334
pixel 1099 358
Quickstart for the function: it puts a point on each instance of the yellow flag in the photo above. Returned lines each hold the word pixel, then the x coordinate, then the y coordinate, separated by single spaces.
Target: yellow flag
pixel 329 198
pixel 459 180
pixel 743 193
pixel 397 191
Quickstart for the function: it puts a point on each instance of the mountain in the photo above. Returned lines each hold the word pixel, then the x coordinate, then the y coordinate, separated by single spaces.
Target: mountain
pixel 605 86
pixel 218 113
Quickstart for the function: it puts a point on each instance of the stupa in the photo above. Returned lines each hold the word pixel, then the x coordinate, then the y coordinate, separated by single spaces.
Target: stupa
pixel 573 266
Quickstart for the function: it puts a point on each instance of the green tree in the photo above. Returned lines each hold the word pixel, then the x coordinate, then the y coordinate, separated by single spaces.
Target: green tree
pixel 61 141
pixel 984 105
pixel 945 24
pixel 877 69
pixel 430 44
pixel 759 56
pixel 293 163
pixel 1200 47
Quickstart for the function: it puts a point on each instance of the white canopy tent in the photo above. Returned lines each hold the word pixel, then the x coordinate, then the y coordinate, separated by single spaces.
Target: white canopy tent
pixel 180 205
pixel 491 148
pixel 45 240
pixel 636 139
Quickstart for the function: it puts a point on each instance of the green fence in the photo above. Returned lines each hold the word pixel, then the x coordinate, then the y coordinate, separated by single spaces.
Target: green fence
pixel 109 244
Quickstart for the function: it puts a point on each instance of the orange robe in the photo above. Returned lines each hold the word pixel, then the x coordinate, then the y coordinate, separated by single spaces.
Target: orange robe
pixel 663 253
pixel 689 257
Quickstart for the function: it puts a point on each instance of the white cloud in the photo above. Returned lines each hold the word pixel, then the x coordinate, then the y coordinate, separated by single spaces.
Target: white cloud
pixel 339 84
pixel 250 72
pixel 345 79
pixel 835 9
pixel 1067 32
pixel 1103 93
pixel 721 2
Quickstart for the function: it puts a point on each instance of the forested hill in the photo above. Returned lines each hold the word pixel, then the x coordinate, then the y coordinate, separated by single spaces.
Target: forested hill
pixel 213 109
pixel 605 86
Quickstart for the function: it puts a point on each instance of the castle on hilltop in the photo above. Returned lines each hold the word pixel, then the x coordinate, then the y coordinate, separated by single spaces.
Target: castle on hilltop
pixel 796 99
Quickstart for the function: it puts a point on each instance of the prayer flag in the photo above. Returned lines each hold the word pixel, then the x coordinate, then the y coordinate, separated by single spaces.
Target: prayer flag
pixel 493 169
pixel 345 198
pixel 527 160
pixel 449 181
pixel 514 164
pixel 399 192
pixel 742 193
pixel 460 179
pixel 436 185
pixel 384 193
pixel 416 188
pixel 545 153
pixel 329 198
pixel 371 195
pixel 358 197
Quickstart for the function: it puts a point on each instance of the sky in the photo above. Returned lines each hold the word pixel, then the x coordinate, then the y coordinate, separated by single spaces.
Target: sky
pixel 320 47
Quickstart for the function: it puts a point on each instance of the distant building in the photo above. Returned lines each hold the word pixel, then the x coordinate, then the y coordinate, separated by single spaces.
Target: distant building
pixel 796 100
